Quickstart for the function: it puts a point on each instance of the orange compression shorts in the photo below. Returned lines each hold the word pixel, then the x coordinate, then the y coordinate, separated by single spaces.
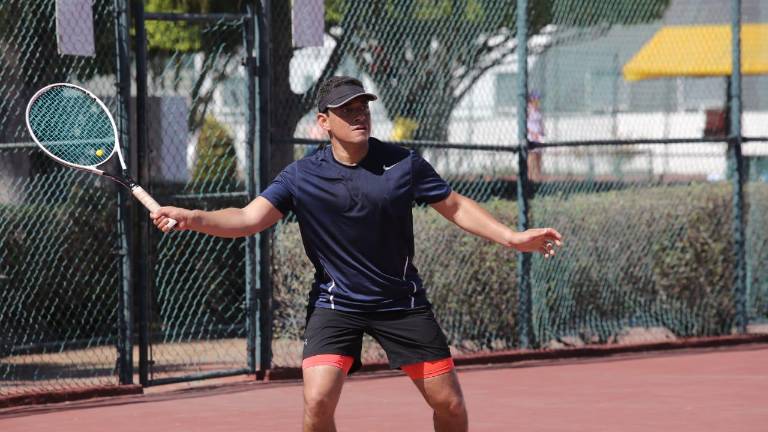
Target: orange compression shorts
pixel 336 360
pixel 423 370
pixel 428 369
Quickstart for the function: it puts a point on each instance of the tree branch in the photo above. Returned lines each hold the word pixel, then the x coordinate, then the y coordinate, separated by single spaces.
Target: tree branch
pixel 309 96
pixel 475 73
pixel 201 100
pixel 571 36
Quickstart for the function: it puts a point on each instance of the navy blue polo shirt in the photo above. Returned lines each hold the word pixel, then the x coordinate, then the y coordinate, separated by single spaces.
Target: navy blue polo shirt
pixel 357 226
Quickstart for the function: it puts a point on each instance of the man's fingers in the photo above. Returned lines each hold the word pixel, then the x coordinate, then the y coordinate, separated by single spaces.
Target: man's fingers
pixel 544 241
pixel 161 212
pixel 162 216
pixel 553 236
pixel 549 247
pixel 553 243
pixel 161 222
pixel 550 234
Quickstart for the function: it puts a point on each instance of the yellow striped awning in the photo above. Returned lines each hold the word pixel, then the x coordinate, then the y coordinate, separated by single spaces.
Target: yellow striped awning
pixel 701 50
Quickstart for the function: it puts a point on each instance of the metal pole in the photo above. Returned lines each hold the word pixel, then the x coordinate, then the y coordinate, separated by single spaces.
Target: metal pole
pixel 250 185
pixel 125 209
pixel 737 162
pixel 265 277
pixel 141 259
pixel 524 320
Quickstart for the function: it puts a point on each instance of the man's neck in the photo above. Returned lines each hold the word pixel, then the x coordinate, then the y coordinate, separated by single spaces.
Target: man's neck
pixel 348 154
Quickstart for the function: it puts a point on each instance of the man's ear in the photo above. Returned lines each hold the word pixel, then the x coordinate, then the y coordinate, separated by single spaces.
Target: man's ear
pixel 322 120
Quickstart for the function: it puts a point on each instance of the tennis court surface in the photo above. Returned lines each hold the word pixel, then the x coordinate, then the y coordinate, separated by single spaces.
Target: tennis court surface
pixel 692 390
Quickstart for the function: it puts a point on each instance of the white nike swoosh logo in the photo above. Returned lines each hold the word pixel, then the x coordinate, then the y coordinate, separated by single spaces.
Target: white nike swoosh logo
pixel 387 168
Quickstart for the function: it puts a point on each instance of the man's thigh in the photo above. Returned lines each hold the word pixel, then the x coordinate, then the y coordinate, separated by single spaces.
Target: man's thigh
pixel 410 337
pixel 323 383
pixel 334 332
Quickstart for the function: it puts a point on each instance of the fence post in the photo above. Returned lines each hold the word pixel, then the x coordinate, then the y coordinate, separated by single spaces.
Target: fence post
pixel 524 320
pixel 738 174
pixel 251 253
pixel 125 209
pixel 141 172
pixel 264 250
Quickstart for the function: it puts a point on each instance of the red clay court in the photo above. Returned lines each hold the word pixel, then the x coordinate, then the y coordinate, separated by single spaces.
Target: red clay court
pixel 692 390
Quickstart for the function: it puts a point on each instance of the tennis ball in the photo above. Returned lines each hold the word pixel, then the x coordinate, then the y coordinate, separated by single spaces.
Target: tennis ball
pixel 99 153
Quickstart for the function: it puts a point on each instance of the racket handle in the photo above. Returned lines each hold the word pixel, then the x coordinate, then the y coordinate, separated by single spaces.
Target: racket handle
pixel 150 203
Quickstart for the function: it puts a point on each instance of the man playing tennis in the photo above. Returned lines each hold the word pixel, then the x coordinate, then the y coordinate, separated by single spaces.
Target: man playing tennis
pixel 353 203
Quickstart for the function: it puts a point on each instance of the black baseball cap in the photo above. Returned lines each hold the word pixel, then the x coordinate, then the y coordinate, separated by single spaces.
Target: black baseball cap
pixel 338 90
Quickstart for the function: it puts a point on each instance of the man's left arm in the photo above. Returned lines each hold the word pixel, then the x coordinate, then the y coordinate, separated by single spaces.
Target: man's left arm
pixel 469 216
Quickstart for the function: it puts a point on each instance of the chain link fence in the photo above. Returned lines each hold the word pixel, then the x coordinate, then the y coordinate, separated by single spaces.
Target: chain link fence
pixel 636 173
pixel 60 272
pixel 197 136
pixel 653 219
pixel 756 191
pixel 633 173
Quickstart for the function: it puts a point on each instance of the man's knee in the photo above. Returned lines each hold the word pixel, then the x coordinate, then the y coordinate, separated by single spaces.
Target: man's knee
pixel 319 404
pixel 452 406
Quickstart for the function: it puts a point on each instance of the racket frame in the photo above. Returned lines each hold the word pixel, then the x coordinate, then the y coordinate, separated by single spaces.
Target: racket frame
pixel 123 179
pixel 89 168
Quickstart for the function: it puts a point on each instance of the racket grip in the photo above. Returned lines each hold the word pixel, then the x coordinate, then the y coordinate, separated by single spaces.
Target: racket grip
pixel 150 203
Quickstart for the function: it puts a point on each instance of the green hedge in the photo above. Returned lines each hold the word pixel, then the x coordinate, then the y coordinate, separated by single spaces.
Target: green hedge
pixel 215 166
pixel 59 262
pixel 757 250
pixel 60 269
pixel 643 257
pixel 638 258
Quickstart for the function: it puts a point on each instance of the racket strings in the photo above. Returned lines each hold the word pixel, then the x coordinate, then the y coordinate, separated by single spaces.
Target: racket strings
pixel 72 126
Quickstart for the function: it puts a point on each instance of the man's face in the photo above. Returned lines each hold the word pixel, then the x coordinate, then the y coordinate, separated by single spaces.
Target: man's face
pixel 349 123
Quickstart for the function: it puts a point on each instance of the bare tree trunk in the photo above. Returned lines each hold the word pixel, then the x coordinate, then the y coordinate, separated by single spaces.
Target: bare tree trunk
pixel 286 105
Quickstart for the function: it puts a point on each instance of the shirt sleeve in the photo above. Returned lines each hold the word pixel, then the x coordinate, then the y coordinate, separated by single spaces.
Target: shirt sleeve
pixel 428 186
pixel 282 190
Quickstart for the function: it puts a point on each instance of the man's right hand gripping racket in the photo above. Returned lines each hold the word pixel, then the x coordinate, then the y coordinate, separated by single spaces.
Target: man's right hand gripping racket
pixel 75 128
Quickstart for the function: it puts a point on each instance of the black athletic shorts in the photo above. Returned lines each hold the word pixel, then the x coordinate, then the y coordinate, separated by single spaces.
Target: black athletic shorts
pixel 407 336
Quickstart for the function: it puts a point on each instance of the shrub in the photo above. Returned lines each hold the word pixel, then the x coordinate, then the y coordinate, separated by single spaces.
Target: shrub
pixel 216 164
pixel 60 272
pixel 653 257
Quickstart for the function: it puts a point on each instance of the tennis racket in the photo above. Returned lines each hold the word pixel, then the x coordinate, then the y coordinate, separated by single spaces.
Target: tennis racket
pixel 75 128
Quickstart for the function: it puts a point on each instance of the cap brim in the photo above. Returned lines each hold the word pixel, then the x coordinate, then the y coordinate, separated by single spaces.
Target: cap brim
pixel 348 98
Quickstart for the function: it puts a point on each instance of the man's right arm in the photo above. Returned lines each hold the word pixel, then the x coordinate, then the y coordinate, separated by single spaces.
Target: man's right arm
pixel 257 216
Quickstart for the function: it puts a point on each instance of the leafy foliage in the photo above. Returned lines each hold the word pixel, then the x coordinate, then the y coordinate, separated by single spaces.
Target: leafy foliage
pixel 59 276
pixel 216 159
pixel 440 49
pixel 182 37
pixel 28 38
pixel 654 257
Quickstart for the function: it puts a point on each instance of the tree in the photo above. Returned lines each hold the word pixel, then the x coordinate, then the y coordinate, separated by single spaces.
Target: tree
pixel 424 56
pixel 30 57
pixel 174 44
pixel 216 163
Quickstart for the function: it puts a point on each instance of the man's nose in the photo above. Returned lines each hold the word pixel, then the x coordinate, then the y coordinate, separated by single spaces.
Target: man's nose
pixel 360 115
